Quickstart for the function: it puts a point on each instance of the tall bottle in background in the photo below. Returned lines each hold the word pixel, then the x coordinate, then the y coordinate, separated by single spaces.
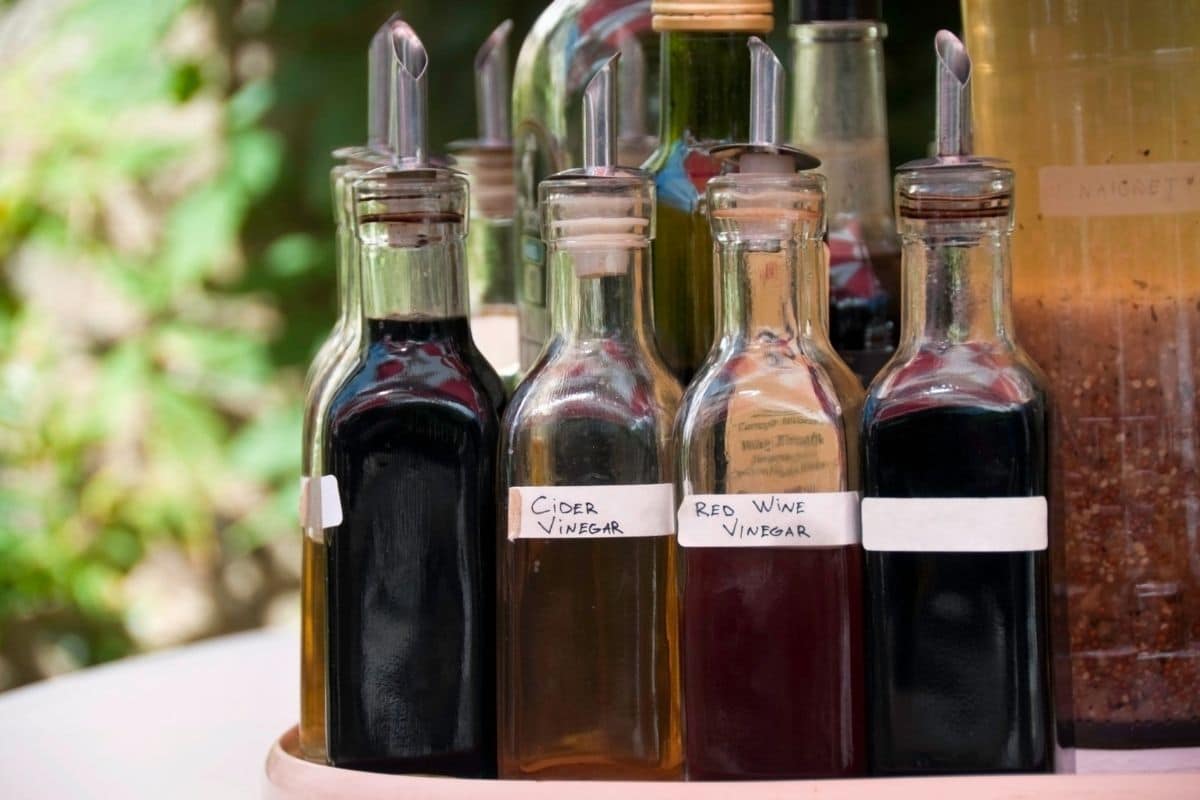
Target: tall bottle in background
pixel 955 466
pixel 839 114
pixel 491 248
pixel 569 41
pixel 588 650
pixel 768 487
pixel 1097 105
pixel 705 101
pixel 411 444
pixel 332 364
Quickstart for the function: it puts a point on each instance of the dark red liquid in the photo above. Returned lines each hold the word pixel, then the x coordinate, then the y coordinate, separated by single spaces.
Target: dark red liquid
pixel 772 663
pixel 411 569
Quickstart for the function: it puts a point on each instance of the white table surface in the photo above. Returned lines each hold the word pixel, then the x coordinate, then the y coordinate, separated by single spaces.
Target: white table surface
pixel 193 722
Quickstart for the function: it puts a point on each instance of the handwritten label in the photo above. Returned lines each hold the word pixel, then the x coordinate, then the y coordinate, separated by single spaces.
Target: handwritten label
pixel 590 512
pixel 1118 190
pixel 954 524
pixel 823 519
pixel 320 505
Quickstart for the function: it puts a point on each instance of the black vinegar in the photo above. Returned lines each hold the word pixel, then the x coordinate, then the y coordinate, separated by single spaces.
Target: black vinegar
pixel 411 581
pixel 957 656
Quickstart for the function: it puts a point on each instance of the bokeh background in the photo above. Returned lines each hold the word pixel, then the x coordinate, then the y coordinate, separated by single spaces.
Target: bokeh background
pixel 167 272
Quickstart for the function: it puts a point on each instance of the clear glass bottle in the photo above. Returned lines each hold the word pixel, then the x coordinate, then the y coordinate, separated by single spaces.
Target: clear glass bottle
pixel 705 101
pixel 569 41
pixel 955 483
pixel 333 362
pixel 768 486
pixel 487 161
pixel 1097 106
pixel 839 114
pixel 588 655
pixel 411 447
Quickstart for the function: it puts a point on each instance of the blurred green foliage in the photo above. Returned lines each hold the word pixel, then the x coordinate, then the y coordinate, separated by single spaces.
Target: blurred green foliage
pixel 166 246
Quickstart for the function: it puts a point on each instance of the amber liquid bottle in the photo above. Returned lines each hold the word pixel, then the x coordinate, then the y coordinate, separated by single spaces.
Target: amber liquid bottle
pixel 705 102
pixel 768 518
pixel 588 650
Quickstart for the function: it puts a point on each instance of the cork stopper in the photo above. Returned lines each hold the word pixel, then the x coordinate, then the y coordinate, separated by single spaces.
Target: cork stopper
pixel 713 16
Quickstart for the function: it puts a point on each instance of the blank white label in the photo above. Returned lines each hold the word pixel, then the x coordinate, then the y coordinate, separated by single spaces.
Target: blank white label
pixel 825 519
pixel 320 505
pixel 591 512
pixel 954 524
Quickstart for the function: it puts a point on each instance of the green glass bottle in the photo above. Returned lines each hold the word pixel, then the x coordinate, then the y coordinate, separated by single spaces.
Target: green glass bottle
pixel 705 102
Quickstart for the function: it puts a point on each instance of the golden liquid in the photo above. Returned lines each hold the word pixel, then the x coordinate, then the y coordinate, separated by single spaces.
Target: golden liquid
pixel 588 660
pixel 312 650
pixel 1106 284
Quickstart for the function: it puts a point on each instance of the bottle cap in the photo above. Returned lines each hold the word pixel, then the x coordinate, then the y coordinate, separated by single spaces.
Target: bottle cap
pixel 835 10
pixel 716 16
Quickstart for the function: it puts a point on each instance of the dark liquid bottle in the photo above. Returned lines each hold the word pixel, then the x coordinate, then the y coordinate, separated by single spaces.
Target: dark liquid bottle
pixel 411 569
pixel 958 659
pixel 772 633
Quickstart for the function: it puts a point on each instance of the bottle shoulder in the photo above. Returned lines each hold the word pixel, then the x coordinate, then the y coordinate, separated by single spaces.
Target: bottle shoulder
pixel 970 376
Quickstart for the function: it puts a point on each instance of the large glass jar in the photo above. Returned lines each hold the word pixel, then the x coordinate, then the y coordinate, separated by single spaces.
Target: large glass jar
pixel 1097 104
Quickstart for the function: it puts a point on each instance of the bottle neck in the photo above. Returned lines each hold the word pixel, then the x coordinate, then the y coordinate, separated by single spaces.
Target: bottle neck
pixel 957 285
pixel 612 306
pixel 759 291
pixel 705 87
pixel 423 282
pixel 839 112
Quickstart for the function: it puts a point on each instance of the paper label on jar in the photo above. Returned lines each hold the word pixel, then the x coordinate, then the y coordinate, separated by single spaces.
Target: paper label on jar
pixel 1118 190
pixel 320 505
pixel 823 519
pixel 954 524
pixel 591 512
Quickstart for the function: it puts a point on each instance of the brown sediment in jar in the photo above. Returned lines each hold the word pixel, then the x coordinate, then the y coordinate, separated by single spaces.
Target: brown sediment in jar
pixel 1126 450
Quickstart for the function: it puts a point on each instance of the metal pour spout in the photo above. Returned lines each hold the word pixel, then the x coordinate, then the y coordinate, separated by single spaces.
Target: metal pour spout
pixel 379 84
pixel 955 136
pixel 766 94
pixel 599 116
pixel 409 93
pixel 492 93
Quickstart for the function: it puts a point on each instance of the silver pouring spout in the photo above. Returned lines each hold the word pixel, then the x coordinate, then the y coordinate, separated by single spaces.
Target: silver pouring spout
pixel 492 90
pixel 954 133
pixel 379 84
pixel 766 94
pixel 599 116
pixel 408 115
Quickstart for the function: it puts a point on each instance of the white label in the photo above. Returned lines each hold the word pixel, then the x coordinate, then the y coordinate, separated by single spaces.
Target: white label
pixel 320 504
pixel 824 519
pixel 590 512
pixel 954 524
pixel 1118 190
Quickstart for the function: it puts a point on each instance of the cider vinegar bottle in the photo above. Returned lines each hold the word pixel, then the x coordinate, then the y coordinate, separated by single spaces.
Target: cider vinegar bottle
pixel 587 650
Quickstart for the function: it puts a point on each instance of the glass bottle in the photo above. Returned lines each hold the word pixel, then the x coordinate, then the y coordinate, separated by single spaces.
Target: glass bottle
pixel 412 438
pixel 491 249
pixel 1106 291
pixel 569 41
pixel 955 470
pixel 333 362
pixel 588 657
pixel 839 114
pixel 705 98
